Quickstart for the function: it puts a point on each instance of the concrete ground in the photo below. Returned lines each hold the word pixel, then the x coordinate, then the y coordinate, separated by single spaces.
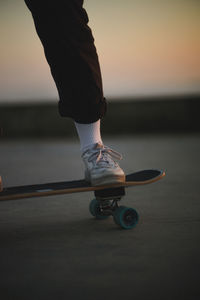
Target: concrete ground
pixel 51 248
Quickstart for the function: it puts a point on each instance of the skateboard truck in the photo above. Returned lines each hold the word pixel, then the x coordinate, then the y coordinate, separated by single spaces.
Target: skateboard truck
pixel 106 204
pixel 108 200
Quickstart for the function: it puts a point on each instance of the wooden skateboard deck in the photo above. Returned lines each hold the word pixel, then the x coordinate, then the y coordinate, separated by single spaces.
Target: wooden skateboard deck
pixel 75 186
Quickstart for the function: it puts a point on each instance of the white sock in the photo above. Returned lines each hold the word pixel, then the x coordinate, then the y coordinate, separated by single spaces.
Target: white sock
pixel 89 134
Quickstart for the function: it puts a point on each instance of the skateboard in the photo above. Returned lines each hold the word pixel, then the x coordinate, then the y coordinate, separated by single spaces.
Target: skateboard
pixel 106 198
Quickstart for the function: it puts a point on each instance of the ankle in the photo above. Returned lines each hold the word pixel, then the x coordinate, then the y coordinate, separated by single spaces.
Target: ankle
pixel 89 135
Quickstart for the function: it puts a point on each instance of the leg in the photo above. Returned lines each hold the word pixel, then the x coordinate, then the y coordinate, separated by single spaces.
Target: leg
pixel 71 54
pixel 70 51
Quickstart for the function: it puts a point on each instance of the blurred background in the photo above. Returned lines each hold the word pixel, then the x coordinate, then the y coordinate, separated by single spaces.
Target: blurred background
pixel 149 51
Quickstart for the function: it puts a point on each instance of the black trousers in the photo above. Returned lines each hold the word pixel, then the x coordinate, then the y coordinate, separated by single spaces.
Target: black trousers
pixel 70 51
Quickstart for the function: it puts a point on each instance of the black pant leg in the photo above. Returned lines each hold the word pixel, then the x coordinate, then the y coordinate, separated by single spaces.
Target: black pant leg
pixel 70 51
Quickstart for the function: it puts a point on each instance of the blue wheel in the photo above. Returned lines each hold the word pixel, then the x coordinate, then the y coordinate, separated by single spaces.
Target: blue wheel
pixel 95 210
pixel 126 217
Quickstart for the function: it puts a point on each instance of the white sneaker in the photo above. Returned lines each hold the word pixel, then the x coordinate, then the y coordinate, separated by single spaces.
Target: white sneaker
pixel 101 169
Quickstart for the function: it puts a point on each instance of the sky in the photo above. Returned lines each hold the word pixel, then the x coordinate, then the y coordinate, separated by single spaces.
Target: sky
pixel 145 47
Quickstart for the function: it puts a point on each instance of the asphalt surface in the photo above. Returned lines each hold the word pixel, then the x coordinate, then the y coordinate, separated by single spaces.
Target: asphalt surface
pixel 52 248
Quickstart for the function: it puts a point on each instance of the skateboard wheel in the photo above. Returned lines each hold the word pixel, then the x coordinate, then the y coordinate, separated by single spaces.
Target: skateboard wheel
pixel 126 217
pixel 95 210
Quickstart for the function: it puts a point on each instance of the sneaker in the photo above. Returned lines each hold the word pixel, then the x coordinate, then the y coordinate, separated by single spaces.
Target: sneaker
pixel 101 168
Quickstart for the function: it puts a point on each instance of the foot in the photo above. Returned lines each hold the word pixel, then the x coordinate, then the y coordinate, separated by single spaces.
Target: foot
pixel 101 168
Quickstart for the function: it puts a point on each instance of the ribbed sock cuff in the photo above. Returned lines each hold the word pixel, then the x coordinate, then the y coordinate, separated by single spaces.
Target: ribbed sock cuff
pixel 89 134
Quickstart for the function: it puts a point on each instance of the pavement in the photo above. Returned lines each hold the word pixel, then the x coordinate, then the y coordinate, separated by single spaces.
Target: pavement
pixel 52 248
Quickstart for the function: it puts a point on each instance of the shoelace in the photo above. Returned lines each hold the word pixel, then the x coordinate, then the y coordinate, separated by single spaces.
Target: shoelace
pixel 101 154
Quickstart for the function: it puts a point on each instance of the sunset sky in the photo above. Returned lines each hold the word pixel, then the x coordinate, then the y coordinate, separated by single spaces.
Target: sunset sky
pixel 145 47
